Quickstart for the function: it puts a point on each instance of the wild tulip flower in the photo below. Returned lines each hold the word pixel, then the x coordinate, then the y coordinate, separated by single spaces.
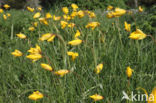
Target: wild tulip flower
pixel 30 9
pixel 119 12
pixel 36 95
pixel 80 14
pixel 140 9
pixel 17 53
pixel 73 14
pixel 4 17
pixel 44 21
pixel 46 67
pixel 66 17
pixel 6 6
pixel 129 72
pixel 77 34
pixel 48 16
pixel 8 14
pixel 71 25
pixel 96 97
pixel 74 6
pixel 56 18
pixel 31 28
pixel 109 7
pixel 92 25
pixel 35 24
pixel 65 10
pixel 127 26
pixel 92 15
pixel 39 8
pixel 51 38
pixel 62 72
pixel 35 53
pixel 34 57
pixel 110 15
pixel 73 55
pixel 21 36
pixel 75 42
pixel 48 36
pixel 98 68
pixel 137 35
pixel 1 11
pixel 36 50
pixel 37 15
pixel 63 24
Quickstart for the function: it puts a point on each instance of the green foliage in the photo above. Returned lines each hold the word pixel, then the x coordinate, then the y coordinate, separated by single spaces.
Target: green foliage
pixel 146 20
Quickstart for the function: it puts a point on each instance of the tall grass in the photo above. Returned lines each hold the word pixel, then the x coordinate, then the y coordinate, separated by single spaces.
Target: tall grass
pixel 108 44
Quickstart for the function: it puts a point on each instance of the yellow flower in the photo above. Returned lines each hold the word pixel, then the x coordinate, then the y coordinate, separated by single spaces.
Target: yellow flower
pixel 73 14
pixel 17 53
pixel 119 12
pixel 8 14
pixel 35 24
pixel 80 13
pixel 110 15
pixel 48 16
pixel 74 6
pixel 36 95
pixel 30 9
pixel 39 8
pixel 75 42
pixel 73 54
pixel 71 25
pixel 36 50
pixel 137 35
pixel 51 38
pixel 96 97
pixel 46 66
pixel 37 15
pixel 22 36
pixel 6 6
pixel 140 9
pixel 34 57
pixel 109 7
pixel 56 18
pixel 61 72
pixel 92 15
pixel 65 10
pixel 48 36
pixel 127 27
pixel 43 20
pixel 1 10
pixel 98 68
pixel 77 34
pixel 63 24
pixel 129 72
pixel 31 28
pixel 92 25
pixel 66 17
pixel 4 17
pixel 45 36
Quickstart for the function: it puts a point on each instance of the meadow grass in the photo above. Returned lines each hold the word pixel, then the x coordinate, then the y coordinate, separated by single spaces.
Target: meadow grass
pixel 108 44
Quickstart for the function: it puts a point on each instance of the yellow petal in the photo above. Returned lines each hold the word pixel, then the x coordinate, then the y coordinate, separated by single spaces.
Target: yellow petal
pixel 96 97
pixel 35 96
pixel 75 42
pixel 37 15
pixel 46 66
